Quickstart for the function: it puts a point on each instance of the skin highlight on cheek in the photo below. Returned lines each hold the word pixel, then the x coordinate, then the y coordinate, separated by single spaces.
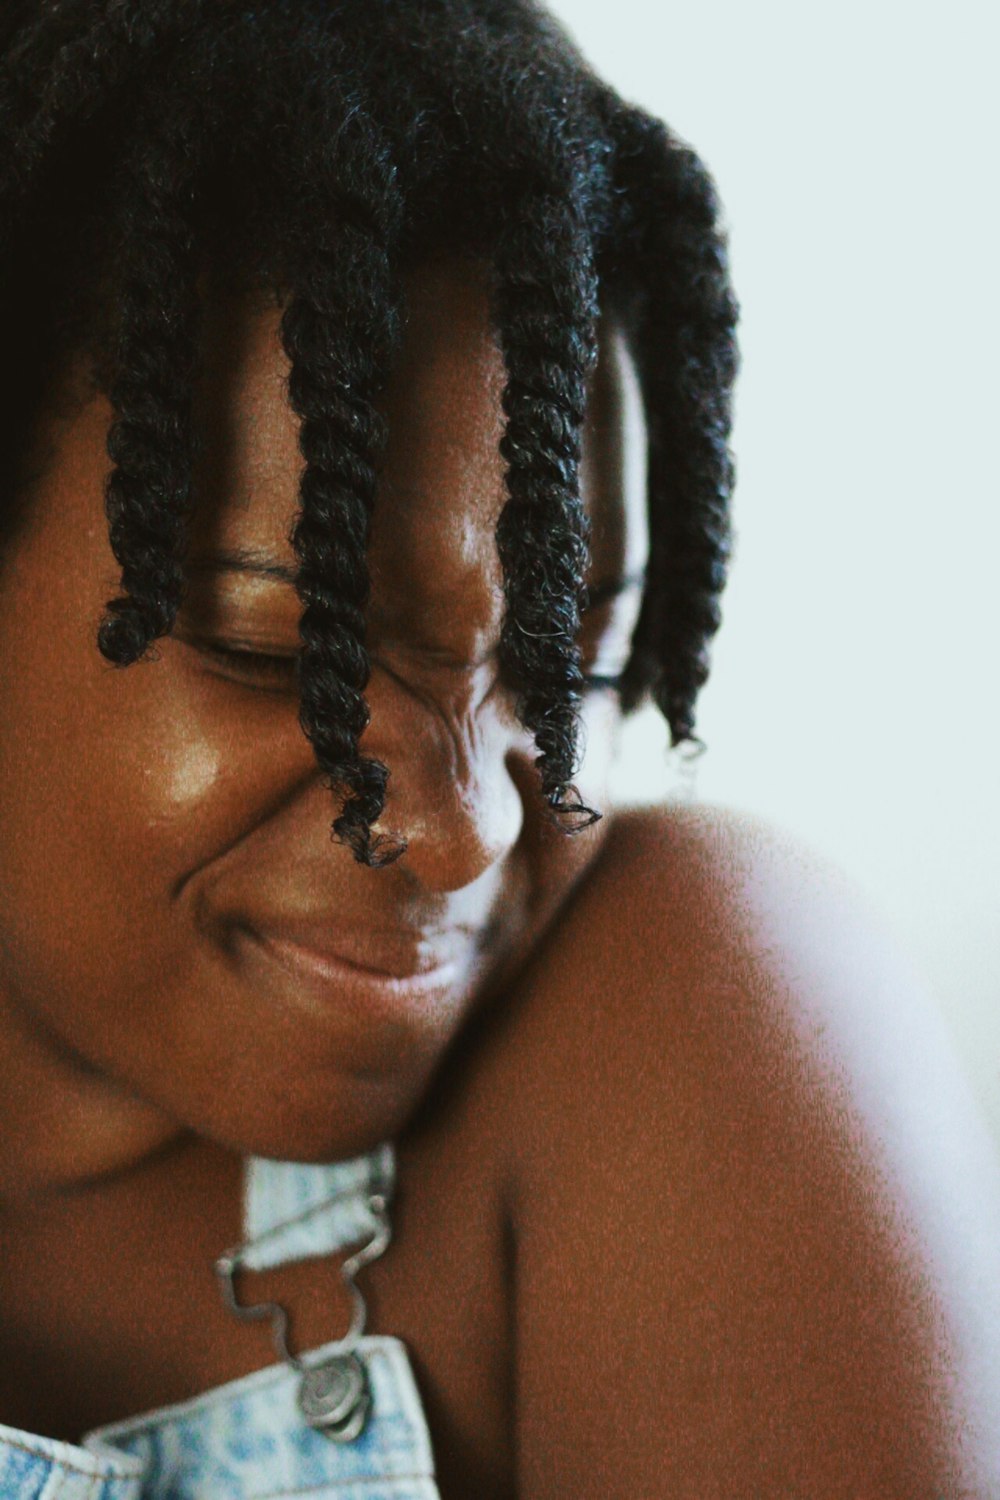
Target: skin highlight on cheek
pixel 188 777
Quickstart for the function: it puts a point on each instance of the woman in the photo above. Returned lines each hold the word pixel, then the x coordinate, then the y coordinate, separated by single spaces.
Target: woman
pixel 350 314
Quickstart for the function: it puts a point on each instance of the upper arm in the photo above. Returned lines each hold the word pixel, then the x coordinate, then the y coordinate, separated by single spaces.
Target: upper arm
pixel 757 1220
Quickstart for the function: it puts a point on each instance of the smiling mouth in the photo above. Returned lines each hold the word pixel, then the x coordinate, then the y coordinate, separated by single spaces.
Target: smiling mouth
pixel 299 958
pixel 327 979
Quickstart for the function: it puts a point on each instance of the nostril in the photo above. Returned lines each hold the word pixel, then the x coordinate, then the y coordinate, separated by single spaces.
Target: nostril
pixel 458 778
pixel 458 828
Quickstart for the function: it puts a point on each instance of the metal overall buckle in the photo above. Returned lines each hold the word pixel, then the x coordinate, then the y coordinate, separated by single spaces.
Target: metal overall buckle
pixel 334 1396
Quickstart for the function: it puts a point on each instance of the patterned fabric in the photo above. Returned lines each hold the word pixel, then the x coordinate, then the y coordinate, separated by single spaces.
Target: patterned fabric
pixel 247 1440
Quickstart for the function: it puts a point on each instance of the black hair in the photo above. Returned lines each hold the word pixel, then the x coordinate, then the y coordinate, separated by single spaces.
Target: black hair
pixel 319 148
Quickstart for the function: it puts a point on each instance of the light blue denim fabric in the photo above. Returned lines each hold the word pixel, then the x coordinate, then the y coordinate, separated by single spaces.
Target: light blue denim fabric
pixel 247 1440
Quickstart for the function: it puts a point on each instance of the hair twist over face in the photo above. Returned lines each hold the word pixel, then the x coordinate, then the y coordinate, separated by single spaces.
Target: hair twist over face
pixel 547 329
pixel 339 332
pixel 150 441
pixel 316 152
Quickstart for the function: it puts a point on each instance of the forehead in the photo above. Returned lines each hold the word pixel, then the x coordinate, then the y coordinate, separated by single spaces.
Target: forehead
pixel 441 483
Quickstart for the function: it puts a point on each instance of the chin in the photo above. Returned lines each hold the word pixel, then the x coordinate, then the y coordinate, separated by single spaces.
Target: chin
pixel 312 1119
pixel 265 1063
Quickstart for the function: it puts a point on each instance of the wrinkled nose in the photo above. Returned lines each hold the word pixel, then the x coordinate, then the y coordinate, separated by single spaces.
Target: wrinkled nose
pixel 457 785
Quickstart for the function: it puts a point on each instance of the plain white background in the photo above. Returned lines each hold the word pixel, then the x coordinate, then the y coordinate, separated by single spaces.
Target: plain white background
pixel 854 692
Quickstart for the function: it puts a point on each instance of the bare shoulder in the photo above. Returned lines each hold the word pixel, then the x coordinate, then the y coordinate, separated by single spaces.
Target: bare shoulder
pixel 756 1213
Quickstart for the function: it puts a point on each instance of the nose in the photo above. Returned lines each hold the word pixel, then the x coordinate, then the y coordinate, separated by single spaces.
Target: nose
pixel 457 782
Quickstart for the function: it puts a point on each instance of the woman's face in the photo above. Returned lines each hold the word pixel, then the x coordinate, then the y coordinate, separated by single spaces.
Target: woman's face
pixel 164 830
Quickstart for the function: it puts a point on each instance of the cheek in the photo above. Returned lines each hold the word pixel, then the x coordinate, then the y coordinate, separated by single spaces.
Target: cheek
pixel 116 787
pixel 109 764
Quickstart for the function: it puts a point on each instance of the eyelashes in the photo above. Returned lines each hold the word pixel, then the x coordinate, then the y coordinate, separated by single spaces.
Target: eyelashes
pixel 264 671
pixel 277 672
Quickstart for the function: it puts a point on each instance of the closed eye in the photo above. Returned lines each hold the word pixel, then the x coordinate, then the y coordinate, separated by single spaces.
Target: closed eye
pixel 279 672
pixel 262 670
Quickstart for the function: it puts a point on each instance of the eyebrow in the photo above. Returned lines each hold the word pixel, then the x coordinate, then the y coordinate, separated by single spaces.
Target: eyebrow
pixel 250 560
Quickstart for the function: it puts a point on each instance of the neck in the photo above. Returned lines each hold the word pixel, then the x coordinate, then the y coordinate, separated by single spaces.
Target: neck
pixel 64 1123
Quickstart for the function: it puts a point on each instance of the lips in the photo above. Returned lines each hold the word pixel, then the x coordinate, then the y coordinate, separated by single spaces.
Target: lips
pixel 335 985
pixel 318 949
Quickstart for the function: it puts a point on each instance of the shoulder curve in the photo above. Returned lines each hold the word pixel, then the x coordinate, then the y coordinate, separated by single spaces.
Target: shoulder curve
pixel 725 851
pixel 733 1091
pixel 692 898
pixel 710 894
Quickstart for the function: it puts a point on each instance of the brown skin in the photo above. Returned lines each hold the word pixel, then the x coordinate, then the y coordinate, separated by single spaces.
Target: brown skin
pixel 675 1217
pixel 183 801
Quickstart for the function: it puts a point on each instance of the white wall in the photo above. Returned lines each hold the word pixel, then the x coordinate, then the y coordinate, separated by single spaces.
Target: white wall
pixel 854 693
